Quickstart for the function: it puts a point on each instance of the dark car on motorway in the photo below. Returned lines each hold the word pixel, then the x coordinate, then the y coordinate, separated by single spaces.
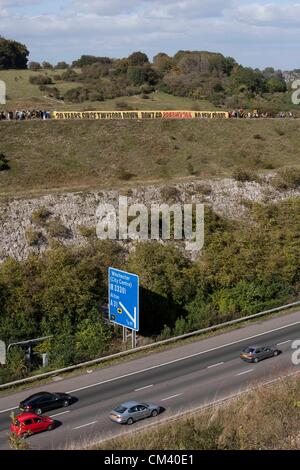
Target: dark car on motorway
pixel 258 353
pixel 45 401
pixel 132 411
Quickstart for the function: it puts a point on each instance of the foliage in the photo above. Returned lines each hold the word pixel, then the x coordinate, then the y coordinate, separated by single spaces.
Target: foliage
pixel 4 165
pixel 243 175
pixel 287 178
pixel 34 237
pixel 34 66
pixel 13 55
pixel 57 229
pixel 244 268
pixel 40 216
pixel 40 80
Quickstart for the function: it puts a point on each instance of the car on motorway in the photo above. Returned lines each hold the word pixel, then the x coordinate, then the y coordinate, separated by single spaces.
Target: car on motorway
pixel 45 401
pixel 27 424
pixel 258 353
pixel 132 411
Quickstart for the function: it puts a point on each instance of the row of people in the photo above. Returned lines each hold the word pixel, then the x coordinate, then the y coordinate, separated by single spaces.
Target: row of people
pixel 241 113
pixel 24 115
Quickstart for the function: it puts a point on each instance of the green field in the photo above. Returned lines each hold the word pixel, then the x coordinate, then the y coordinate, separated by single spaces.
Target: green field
pixel 55 156
pixel 22 94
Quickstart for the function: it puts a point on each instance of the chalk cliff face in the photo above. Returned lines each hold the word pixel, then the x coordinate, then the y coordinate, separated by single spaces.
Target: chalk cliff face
pixel 73 215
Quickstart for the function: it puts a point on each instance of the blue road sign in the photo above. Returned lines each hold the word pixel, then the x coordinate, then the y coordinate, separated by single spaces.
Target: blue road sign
pixel 123 296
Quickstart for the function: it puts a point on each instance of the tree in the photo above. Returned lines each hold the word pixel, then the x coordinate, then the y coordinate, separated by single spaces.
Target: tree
pixel 162 62
pixel 34 66
pixel 142 74
pixel 138 58
pixel 13 55
pixel 86 60
pixel 276 85
pixel 91 339
pixel 247 79
pixel 47 65
pixel 62 65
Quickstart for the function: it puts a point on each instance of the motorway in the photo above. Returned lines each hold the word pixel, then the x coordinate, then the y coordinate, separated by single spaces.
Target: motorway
pixel 179 379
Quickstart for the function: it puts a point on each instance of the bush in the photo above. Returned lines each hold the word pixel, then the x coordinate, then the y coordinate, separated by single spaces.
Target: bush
pixel 287 178
pixel 77 95
pixel 47 66
pixel 40 216
pixel 243 175
pixel 33 237
pixel 87 232
pixel 190 169
pixel 57 229
pixel 3 162
pixel 40 80
pixel 34 66
pixel 170 194
pixel 124 174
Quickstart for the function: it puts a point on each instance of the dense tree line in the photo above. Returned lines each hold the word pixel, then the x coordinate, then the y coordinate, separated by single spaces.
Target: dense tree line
pixel 243 269
pixel 194 74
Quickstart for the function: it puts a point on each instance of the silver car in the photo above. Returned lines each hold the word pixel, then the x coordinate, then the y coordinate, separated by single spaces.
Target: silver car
pixel 132 411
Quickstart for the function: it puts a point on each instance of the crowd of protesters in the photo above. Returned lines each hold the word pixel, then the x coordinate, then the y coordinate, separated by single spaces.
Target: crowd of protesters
pixel 44 115
pixel 241 113
pixel 24 115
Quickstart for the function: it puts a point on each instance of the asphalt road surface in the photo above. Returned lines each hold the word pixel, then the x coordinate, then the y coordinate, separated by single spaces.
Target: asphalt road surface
pixel 178 379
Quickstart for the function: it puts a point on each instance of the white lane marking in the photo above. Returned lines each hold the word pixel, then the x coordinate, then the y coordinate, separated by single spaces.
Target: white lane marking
pixel 245 372
pixel 59 414
pixel 215 365
pixel 143 388
pixel 284 342
pixel 172 396
pixel 9 409
pixel 84 425
pixel 182 358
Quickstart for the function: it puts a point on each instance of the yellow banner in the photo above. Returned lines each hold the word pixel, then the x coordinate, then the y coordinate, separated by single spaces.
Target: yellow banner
pixel 136 115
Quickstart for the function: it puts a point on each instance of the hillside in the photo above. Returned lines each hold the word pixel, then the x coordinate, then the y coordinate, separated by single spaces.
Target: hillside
pixel 21 94
pixel 189 79
pixel 48 157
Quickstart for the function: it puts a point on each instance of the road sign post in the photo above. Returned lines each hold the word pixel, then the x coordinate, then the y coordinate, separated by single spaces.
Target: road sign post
pixel 2 353
pixel 123 297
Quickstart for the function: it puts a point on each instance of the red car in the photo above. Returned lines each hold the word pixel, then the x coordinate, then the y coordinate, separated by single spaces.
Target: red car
pixel 29 423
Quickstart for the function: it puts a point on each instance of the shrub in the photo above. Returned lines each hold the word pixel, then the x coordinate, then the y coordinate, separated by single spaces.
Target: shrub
pixel 47 65
pixel 40 216
pixel 287 178
pixel 77 95
pixel 124 174
pixel 33 237
pixel 243 175
pixel 190 169
pixel 3 162
pixel 34 66
pixel 57 229
pixel 40 80
pixel 258 137
pixel 87 232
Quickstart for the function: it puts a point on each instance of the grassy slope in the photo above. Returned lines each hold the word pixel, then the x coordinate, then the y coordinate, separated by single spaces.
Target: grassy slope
pixel 21 93
pixel 50 156
pixel 267 418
